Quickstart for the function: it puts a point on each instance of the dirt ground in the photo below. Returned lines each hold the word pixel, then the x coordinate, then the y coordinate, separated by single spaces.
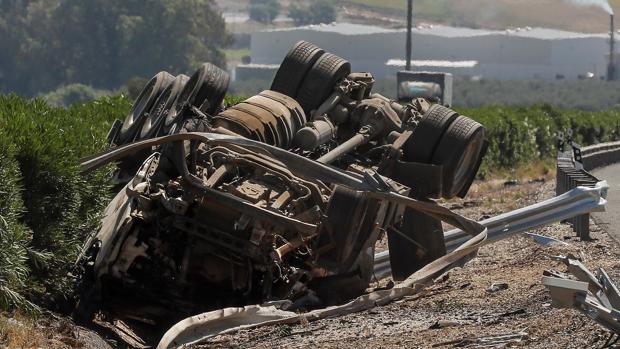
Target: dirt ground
pixel 460 307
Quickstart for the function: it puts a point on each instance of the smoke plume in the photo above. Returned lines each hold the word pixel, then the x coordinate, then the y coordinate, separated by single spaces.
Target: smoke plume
pixel 602 4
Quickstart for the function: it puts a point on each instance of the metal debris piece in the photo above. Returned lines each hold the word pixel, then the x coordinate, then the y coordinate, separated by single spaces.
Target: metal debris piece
pixel 595 297
pixel 497 341
pixel 545 240
pixel 444 323
pixel 498 286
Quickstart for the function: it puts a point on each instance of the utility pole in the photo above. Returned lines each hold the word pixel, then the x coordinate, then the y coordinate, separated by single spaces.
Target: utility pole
pixel 409 25
pixel 611 68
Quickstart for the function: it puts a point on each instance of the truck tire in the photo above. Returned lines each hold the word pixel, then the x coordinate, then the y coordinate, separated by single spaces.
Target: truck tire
pixel 320 81
pixel 426 137
pixel 459 152
pixel 213 90
pixel 294 68
pixel 407 257
pixel 142 105
pixel 154 122
pixel 205 89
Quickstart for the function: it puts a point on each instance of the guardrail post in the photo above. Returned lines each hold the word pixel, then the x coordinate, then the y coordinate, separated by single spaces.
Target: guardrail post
pixel 571 174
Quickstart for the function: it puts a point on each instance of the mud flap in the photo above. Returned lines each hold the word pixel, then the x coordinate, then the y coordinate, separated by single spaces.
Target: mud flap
pixel 414 244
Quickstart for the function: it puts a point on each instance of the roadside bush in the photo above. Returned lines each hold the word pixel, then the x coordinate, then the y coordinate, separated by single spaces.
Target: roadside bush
pixel 521 135
pixel 14 236
pixel 319 11
pixel 73 93
pixel 51 207
pixel 264 11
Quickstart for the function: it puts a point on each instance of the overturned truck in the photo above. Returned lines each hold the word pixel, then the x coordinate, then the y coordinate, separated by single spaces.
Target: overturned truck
pixel 280 197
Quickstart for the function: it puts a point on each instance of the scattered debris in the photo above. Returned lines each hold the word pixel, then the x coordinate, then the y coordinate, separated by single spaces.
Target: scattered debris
pixel 444 323
pixel 488 341
pixel 511 183
pixel 544 240
pixel 498 286
pixel 595 296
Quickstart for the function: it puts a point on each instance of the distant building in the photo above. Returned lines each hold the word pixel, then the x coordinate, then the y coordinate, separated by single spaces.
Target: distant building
pixel 525 53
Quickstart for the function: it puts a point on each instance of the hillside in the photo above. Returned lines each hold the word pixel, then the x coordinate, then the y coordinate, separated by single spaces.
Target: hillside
pixel 496 14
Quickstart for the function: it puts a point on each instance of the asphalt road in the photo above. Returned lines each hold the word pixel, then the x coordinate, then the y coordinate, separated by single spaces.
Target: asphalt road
pixel 610 220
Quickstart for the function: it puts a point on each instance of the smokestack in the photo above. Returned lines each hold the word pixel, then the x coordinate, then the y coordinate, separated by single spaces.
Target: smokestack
pixel 611 69
pixel 409 25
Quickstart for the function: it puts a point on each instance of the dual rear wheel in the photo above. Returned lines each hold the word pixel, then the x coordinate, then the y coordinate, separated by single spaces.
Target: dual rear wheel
pixel 165 102
pixel 309 75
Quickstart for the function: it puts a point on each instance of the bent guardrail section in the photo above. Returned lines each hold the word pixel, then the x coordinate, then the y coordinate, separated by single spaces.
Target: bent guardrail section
pixel 579 201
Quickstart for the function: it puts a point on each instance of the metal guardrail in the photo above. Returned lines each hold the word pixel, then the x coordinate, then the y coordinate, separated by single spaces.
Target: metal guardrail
pixel 600 155
pixel 579 201
pixel 572 171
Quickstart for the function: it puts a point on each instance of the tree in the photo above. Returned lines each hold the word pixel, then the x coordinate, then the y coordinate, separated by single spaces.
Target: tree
pixel 319 11
pixel 264 11
pixel 323 11
pixel 103 43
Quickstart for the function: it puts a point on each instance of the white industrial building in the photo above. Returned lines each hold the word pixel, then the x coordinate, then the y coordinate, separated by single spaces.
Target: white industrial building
pixel 525 53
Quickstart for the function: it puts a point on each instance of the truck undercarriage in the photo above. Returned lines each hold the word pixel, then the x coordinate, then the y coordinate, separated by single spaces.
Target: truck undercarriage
pixel 281 197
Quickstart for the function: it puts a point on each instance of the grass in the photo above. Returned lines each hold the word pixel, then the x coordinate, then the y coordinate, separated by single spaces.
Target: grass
pixel 236 55
pixel 19 331
pixel 382 4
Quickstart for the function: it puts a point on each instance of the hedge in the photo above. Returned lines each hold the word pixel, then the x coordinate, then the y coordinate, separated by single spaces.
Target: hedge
pixel 521 135
pixel 50 207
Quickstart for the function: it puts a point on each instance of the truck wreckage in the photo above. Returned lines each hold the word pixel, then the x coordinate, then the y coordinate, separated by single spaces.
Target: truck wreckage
pixel 277 200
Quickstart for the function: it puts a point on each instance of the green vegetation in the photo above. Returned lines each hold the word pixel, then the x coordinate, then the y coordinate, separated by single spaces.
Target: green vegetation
pixel 264 11
pixel 236 54
pixel 525 135
pixel 382 4
pixel 103 43
pixel 569 94
pixel 319 11
pixel 74 93
pixel 47 208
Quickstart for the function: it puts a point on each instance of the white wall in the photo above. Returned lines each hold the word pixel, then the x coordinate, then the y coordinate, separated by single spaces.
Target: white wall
pixel 500 56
